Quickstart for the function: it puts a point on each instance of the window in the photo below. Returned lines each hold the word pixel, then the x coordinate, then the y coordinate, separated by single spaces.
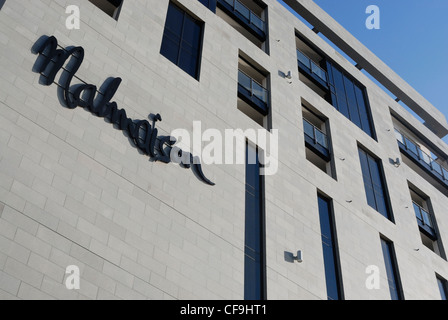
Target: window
pixel 426 221
pixel 374 184
pixel 312 67
pixel 393 277
pixel 337 87
pixel 211 4
pixel 317 139
pixel 329 247
pixel 442 283
pixel 350 98
pixel 422 156
pixel 254 265
pixel 253 95
pixel 182 40
pixel 248 17
pixel 111 7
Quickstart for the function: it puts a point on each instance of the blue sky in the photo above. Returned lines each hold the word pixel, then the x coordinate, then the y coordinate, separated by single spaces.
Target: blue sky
pixel 412 41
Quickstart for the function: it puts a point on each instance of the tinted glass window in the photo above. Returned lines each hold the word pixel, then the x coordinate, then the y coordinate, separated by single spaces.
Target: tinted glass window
pixel 367 179
pixel 182 40
pixel 191 33
pixel 350 99
pixel 374 184
pixel 254 229
pixel 391 270
pixel 175 20
pixel 352 103
pixel 364 112
pixel 340 92
pixel 377 183
pixel 170 49
pixel 329 248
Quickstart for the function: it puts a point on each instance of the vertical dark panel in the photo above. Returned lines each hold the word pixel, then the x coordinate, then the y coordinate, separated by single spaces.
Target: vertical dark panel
pixel 378 187
pixel 391 270
pixel 329 248
pixel 340 92
pixel 352 103
pixel 254 274
pixel 368 185
pixel 191 42
pixel 364 112
pixel 170 48
pixel 182 40
pixel 334 98
pixel 174 21
pixel 172 34
pixel 374 184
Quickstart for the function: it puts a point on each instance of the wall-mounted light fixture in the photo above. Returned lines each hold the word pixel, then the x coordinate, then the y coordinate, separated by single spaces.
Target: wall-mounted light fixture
pixel 396 162
pixel 299 257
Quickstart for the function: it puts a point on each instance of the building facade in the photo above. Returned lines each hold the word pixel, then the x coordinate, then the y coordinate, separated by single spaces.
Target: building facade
pixel 88 182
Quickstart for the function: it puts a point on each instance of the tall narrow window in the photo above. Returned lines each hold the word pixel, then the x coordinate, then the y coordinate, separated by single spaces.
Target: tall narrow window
pixel 443 288
pixel 329 247
pixel 374 184
pixel 393 277
pixel 182 40
pixel 254 266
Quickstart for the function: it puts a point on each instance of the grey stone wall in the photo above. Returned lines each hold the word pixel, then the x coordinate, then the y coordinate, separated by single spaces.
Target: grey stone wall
pixel 73 191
